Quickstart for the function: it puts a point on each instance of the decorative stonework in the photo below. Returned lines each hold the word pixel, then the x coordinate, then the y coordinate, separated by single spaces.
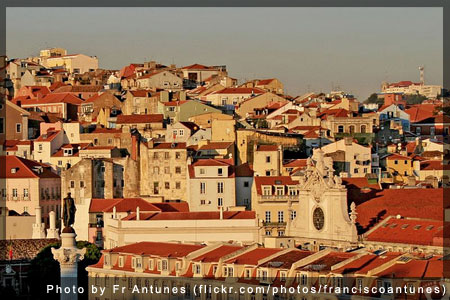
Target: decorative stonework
pixel 323 217
pixel 68 256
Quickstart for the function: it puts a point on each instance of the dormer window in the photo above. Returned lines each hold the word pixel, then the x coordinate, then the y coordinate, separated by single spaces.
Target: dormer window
pixel 248 273
pixel 107 260
pixel 151 264
pixel 220 172
pixel 14 170
pixel 283 275
pixel 120 261
pixel 279 190
pixel 267 190
pixel 197 269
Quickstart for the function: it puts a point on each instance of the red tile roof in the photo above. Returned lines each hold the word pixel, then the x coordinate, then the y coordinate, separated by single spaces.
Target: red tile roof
pixel 409 231
pixel 122 205
pixel 200 215
pixel 413 203
pixel 216 145
pixel 295 163
pixel 53 98
pixel 48 137
pixel 267 148
pixel 265 81
pixel 197 67
pixel 365 263
pixel 106 130
pixel 132 119
pixel 337 113
pixel 326 262
pixel 286 260
pixel 252 257
pixel 433 165
pixel 216 254
pixel 244 170
pixel 420 112
pixel 214 162
pixel 173 206
pixel 24 168
pixel 273 180
pixel 157 249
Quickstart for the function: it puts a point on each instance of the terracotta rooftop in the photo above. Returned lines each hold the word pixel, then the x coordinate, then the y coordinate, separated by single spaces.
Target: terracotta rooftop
pixel 132 119
pixel 158 249
pixel 267 148
pixel 216 254
pixel 253 256
pixel 409 231
pixel 201 215
pixel 17 167
pixel 122 205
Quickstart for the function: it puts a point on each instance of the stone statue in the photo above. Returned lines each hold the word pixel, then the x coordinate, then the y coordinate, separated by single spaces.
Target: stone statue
pixel 69 210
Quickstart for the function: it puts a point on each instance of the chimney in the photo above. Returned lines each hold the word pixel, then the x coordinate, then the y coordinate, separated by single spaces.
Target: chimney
pixel 134 148
pixel 38 215
pixel 138 213
pixel 114 213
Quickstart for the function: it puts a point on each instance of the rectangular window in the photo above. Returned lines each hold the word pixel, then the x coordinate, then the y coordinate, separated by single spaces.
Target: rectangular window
pixel 267 159
pixel 81 184
pixel 166 170
pixel 178 170
pixel 246 184
pixel 14 192
pixel 72 184
pixel 202 171
pixel 181 132
pixel 267 190
pixel 155 155
pixel 177 155
pixel 178 185
pixel 293 214
pixel 219 171
pixel 219 201
pixel 202 187
pixel 166 155
pixel 267 216
pixel 167 185
pixel 2 125
pixel 40 147
pixel 18 128
pixel 280 216
pixel 220 187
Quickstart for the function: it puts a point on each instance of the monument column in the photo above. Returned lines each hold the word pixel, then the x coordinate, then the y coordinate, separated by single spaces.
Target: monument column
pixel 68 255
pixel 38 226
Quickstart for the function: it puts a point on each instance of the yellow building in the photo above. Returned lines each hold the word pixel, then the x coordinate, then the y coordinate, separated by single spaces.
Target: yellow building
pixel 400 167
pixel 75 63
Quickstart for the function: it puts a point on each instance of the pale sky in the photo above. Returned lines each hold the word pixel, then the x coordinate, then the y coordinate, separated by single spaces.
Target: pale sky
pixel 306 48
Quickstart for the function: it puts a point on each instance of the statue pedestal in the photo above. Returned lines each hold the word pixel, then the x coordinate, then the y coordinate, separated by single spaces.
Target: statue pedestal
pixel 68 256
pixel 38 231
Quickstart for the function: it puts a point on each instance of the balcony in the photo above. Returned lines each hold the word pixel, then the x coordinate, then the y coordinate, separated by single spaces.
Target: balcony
pixel 274 224
pixel 277 198
pixel 17 198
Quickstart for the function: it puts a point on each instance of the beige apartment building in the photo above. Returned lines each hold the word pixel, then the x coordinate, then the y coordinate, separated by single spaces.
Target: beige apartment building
pixel 16 128
pixel 28 185
pixel 349 157
pixel 75 63
pixel 163 80
pixel 212 185
pixel 267 160
pixel 163 169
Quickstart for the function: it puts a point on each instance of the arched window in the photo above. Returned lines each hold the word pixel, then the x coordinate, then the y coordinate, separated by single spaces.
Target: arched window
pixel 363 128
pixel 351 129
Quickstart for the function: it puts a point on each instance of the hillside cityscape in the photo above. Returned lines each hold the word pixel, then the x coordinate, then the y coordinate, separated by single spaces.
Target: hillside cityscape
pixel 184 173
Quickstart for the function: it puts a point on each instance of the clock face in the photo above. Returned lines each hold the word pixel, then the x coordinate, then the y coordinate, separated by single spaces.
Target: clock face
pixel 318 218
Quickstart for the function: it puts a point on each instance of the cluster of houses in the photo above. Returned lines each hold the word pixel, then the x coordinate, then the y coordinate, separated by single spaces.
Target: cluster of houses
pixel 189 154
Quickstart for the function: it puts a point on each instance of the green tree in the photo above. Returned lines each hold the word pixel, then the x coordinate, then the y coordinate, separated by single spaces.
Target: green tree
pixel 44 270
pixel 373 98
pixel 414 99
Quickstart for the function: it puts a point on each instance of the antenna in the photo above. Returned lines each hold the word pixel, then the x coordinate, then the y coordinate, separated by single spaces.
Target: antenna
pixel 422 74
